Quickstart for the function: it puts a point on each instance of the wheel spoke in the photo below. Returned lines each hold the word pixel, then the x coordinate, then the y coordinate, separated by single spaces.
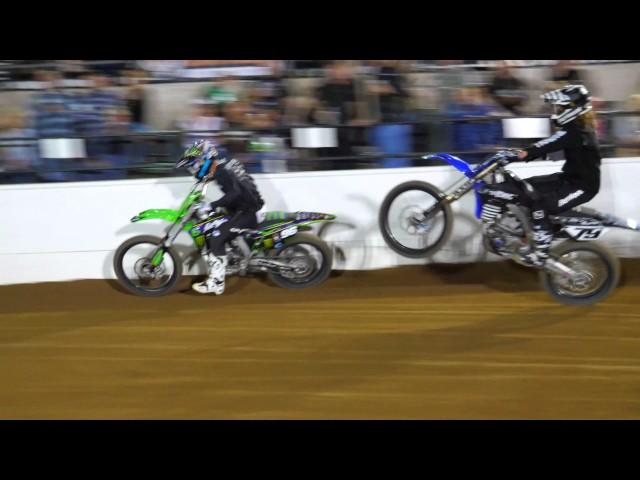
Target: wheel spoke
pixel 400 226
pixel 592 274
pixel 309 261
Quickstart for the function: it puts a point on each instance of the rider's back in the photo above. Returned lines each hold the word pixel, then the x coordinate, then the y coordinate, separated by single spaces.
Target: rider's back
pixel 238 186
pixel 579 142
pixel 583 157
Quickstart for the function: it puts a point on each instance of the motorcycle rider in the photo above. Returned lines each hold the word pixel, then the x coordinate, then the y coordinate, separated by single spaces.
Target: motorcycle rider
pixel 241 200
pixel 579 180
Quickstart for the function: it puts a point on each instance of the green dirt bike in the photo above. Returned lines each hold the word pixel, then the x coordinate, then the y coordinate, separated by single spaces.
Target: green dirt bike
pixel 280 246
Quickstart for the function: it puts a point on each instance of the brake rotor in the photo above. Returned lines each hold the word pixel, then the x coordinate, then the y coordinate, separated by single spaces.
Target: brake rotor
pixel 301 266
pixel 412 223
pixel 145 270
pixel 580 283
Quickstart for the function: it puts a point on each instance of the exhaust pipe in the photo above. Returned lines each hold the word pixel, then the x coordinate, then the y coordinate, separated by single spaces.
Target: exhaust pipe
pixel 270 264
pixel 551 265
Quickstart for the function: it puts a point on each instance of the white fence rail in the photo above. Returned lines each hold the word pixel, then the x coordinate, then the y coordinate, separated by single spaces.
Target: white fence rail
pixel 68 231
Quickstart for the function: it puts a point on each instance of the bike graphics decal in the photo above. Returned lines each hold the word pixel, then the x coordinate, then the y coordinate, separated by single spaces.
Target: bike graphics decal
pixel 500 194
pixel 215 224
pixel 288 232
pixel 581 221
pixel 310 216
pixel 208 225
pixel 585 233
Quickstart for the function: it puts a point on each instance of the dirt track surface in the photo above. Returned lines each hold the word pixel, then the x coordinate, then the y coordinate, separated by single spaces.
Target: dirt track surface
pixel 438 342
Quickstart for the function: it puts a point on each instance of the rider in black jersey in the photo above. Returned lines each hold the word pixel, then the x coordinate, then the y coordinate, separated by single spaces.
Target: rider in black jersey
pixel 579 180
pixel 241 200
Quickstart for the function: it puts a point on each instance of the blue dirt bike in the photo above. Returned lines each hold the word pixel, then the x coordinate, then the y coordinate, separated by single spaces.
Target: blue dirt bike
pixel 416 220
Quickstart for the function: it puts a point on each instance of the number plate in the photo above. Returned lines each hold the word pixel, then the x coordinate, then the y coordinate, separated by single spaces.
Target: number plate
pixel 288 232
pixel 585 233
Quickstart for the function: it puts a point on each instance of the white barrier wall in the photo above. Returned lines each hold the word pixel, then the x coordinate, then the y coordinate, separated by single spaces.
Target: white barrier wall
pixel 68 231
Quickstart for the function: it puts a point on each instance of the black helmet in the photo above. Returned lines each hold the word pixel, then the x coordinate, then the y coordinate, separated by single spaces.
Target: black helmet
pixel 572 100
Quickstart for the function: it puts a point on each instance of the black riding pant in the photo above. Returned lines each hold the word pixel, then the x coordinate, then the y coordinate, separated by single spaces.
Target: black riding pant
pixel 218 236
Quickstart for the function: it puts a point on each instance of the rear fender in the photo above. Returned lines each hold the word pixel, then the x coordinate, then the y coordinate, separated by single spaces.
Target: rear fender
pixel 291 223
pixel 304 219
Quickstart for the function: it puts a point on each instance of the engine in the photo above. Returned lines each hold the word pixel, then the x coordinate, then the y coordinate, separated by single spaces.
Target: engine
pixel 503 231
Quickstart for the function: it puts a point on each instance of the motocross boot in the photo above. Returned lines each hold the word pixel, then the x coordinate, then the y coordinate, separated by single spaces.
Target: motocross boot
pixel 542 243
pixel 215 281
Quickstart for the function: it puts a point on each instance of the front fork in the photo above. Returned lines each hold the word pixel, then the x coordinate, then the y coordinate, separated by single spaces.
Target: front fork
pixel 447 199
pixel 170 237
pixel 158 255
pixel 431 212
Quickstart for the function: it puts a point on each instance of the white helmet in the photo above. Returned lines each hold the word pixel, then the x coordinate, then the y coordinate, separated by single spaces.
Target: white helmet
pixel 569 102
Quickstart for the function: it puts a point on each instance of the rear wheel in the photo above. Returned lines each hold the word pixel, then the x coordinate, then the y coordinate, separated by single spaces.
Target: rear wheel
pixel 311 260
pixel 403 226
pixel 598 273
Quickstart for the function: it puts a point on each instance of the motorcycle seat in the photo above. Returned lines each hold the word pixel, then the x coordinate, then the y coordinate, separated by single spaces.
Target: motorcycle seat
pixel 274 218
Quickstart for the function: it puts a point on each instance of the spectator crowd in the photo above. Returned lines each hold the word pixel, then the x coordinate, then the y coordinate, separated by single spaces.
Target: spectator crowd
pixel 384 110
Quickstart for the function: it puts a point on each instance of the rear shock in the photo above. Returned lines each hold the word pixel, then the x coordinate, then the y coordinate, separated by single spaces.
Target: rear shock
pixel 490 212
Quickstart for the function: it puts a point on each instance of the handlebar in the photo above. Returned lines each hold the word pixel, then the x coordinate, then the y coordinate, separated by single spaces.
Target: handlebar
pixel 507 153
pixel 494 162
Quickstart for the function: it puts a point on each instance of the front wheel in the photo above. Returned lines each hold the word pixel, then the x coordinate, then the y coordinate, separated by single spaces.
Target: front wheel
pixel 403 226
pixel 598 273
pixel 133 263
pixel 310 259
